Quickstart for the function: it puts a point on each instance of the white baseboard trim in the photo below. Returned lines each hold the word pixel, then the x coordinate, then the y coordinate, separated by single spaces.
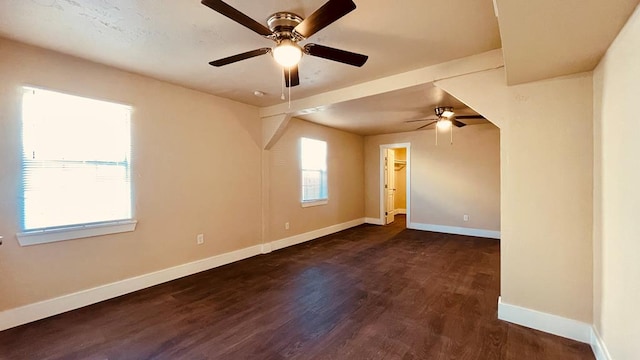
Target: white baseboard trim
pixel 43 309
pixel 598 346
pixel 552 324
pixel 492 234
pixel 401 211
pixel 300 238
pixel 373 221
pixel 265 248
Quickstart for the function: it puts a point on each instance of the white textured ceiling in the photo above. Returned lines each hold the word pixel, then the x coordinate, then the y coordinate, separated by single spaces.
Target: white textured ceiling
pixel 389 112
pixel 174 40
pixel 549 38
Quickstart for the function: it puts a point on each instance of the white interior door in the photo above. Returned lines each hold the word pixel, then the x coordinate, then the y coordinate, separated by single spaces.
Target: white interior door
pixel 389 185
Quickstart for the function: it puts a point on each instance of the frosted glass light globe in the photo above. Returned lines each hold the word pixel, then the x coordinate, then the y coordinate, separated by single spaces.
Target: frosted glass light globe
pixel 287 53
pixel 444 124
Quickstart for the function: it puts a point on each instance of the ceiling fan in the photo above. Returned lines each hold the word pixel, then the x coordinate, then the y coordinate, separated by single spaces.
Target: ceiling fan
pixel 286 29
pixel 445 118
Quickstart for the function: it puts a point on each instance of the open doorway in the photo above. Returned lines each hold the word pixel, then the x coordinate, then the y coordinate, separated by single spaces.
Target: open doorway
pixel 395 182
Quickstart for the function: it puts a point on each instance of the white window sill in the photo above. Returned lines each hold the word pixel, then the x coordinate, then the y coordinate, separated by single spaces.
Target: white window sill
pixel 44 236
pixel 315 203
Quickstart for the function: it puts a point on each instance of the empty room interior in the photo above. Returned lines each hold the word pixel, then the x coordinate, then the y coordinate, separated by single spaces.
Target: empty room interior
pixel 319 179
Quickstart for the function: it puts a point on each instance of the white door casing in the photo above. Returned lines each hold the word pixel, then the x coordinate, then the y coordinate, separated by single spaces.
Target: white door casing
pixel 389 185
pixel 383 195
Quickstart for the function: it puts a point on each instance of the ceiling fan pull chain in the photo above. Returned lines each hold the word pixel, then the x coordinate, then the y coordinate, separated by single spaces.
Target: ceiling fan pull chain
pixel 290 88
pixel 282 88
pixel 451 132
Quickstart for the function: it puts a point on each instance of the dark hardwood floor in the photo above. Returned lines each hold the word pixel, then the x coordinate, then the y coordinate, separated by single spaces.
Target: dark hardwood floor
pixel 370 292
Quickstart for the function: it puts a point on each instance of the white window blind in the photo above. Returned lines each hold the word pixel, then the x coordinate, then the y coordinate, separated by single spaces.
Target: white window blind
pixel 76 160
pixel 313 159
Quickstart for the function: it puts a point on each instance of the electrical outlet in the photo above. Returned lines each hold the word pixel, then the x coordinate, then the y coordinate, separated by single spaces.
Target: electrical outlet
pixel 465 217
pixel 200 239
pixel 286 226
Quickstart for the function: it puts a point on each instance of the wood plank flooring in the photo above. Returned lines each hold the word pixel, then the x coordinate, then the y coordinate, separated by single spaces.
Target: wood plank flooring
pixel 370 292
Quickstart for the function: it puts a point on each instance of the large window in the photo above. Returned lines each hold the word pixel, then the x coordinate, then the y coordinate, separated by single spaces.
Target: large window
pixel 76 165
pixel 313 161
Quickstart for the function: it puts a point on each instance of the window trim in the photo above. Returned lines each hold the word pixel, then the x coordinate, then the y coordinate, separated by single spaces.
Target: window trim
pixel 45 235
pixel 48 235
pixel 318 202
pixel 324 173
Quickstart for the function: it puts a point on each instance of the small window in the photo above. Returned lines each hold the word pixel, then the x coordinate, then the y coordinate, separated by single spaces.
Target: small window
pixel 313 159
pixel 76 164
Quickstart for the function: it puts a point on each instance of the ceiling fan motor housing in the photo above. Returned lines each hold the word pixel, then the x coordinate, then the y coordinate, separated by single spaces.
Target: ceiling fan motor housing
pixel 287 29
pixel 441 110
pixel 282 25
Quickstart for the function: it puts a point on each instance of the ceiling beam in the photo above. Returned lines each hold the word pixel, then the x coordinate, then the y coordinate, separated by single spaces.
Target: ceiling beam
pixel 272 128
pixel 472 64
pixel 485 92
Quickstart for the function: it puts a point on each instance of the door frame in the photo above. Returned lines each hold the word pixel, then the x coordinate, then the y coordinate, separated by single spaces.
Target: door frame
pixel 383 197
pixel 390 186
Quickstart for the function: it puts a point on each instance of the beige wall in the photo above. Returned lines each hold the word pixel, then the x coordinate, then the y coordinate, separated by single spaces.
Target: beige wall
pixel 447 181
pixel 345 161
pixel 617 194
pixel 186 181
pixel 546 165
pixel 400 180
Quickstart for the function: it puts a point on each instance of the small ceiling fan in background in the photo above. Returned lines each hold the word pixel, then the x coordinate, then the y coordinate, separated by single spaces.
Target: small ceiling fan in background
pixel 445 117
pixel 286 29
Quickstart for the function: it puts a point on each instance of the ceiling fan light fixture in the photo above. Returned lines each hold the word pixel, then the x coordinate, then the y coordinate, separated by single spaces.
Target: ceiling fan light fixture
pixel 286 29
pixel 444 111
pixel 287 53
pixel 447 113
pixel 444 124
